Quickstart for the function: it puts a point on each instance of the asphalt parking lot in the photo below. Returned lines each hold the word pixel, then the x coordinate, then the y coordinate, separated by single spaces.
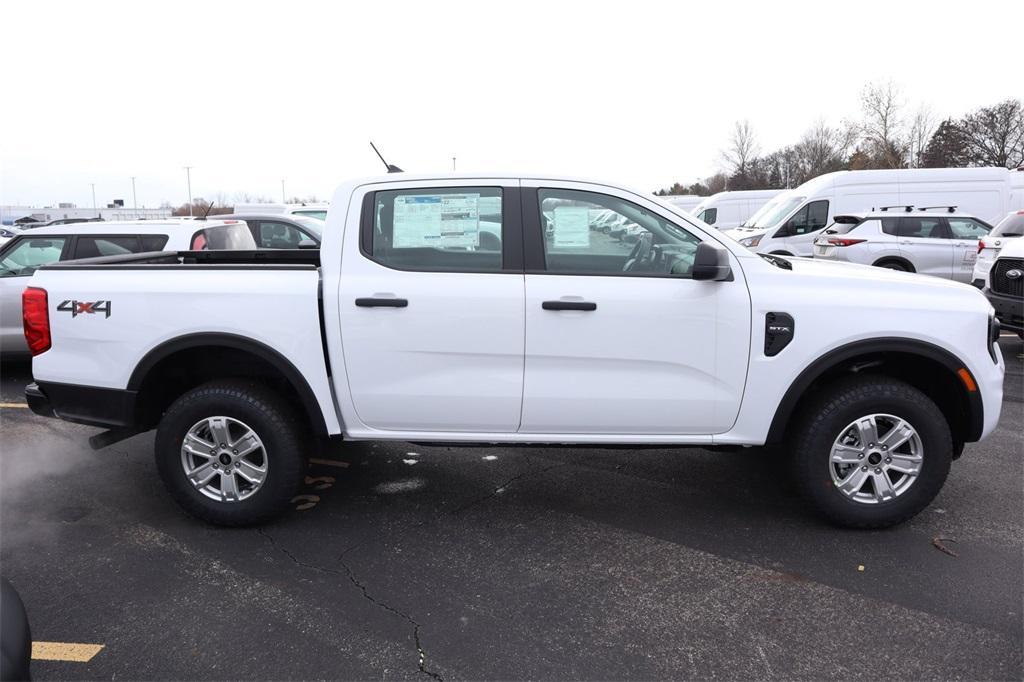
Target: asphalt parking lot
pixel 401 561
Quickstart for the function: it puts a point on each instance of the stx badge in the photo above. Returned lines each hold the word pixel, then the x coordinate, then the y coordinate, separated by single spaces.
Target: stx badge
pixel 77 308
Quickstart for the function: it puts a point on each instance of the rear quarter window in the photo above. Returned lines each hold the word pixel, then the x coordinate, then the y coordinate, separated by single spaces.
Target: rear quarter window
pixel 234 237
pixel 1011 226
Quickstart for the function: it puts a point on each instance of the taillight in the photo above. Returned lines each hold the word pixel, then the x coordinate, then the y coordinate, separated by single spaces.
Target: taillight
pixel 981 245
pixel 35 318
pixel 836 241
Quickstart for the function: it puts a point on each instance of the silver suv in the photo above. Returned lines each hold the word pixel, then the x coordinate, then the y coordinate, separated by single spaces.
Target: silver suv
pixel 934 241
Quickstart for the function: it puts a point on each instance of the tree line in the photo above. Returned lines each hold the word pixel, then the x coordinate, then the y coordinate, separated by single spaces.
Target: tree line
pixel 888 134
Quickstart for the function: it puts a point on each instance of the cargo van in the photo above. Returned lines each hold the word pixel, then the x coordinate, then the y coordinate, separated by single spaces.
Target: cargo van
pixel 791 221
pixel 683 202
pixel 727 210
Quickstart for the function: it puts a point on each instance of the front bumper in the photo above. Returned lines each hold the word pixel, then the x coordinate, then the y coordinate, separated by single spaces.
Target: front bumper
pixel 108 407
pixel 1009 310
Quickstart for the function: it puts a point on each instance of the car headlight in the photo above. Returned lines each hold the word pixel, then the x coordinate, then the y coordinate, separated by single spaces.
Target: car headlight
pixel 751 241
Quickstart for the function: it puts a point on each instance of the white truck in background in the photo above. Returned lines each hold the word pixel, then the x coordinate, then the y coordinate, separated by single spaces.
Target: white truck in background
pixel 310 210
pixel 729 209
pixel 791 221
pixel 408 325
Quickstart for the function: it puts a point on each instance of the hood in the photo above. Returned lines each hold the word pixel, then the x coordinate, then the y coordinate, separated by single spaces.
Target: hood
pixel 739 233
pixel 893 280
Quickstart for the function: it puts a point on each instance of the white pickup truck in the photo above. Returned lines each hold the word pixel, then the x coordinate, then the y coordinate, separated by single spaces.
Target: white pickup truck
pixel 492 309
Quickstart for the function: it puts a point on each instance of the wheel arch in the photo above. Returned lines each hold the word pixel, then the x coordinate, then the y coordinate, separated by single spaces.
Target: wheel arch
pixel 161 374
pixel 894 259
pixel 924 365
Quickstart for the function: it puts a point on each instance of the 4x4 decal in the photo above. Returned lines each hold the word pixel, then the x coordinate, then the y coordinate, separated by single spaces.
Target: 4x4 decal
pixel 77 308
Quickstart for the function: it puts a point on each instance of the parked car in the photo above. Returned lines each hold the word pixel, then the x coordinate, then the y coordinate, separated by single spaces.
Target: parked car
pixel 311 210
pixel 943 244
pixel 20 256
pixel 1010 227
pixel 726 210
pixel 1005 289
pixel 8 232
pixel 400 327
pixel 282 231
pixel 789 224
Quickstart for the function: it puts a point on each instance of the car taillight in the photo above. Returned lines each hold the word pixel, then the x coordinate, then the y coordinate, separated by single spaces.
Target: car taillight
pixel 981 245
pixel 35 317
pixel 836 241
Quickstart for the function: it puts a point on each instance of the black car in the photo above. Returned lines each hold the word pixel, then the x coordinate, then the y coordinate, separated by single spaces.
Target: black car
pixel 281 230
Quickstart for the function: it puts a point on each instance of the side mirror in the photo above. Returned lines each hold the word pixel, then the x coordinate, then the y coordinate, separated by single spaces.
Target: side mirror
pixel 711 263
pixel 308 244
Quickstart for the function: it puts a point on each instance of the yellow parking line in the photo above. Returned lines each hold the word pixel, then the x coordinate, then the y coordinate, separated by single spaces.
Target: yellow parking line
pixel 330 462
pixel 63 651
pixel 13 405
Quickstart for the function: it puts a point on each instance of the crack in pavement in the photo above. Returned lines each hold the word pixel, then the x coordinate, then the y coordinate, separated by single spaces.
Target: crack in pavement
pixel 422 654
pixel 502 486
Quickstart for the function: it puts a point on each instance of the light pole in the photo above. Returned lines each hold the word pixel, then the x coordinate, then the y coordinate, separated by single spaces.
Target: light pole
pixel 453 164
pixel 283 200
pixel 93 185
pixel 135 200
pixel 188 179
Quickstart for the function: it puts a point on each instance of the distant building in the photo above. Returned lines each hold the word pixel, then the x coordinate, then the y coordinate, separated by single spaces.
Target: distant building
pixel 114 211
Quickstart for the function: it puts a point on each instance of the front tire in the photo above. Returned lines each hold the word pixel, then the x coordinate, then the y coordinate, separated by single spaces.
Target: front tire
pixel 871 452
pixel 231 453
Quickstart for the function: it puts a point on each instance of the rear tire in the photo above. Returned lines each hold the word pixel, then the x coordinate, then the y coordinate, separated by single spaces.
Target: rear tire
pixel 830 428
pixel 232 487
pixel 893 265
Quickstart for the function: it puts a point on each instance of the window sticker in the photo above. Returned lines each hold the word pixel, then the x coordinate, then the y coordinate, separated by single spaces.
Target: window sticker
pixel 437 220
pixel 572 227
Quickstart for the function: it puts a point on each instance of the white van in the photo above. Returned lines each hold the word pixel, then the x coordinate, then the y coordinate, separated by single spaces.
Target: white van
pixel 684 202
pixel 791 221
pixel 317 210
pixel 727 210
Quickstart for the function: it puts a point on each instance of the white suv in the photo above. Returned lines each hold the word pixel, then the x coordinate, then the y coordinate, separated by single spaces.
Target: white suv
pixel 31 249
pixel 1008 228
pixel 928 242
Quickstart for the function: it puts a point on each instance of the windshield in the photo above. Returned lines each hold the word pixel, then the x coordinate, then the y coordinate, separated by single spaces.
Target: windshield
pixel 314 225
pixel 1010 226
pixel 319 213
pixel 772 213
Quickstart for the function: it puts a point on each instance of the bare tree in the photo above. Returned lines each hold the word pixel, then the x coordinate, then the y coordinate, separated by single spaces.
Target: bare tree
pixel 822 149
pixel 994 136
pixel 742 148
pixel 883 127
pixel 922 127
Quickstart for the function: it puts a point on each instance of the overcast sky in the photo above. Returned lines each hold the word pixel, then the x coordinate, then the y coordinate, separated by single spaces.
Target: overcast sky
pixel 250 93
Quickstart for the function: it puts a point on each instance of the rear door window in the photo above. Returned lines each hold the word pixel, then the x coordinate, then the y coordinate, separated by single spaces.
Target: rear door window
pixel 439 229
pixel 923 228
pixel 153 242
pixel 274 234
pixel 94 247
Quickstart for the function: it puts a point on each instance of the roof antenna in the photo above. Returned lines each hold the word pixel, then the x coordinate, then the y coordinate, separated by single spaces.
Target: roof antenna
pixel 208 208
pixel 391 169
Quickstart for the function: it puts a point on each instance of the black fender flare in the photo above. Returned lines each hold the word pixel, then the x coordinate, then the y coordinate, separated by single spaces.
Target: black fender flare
pixel 975 417
pixel 242 343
